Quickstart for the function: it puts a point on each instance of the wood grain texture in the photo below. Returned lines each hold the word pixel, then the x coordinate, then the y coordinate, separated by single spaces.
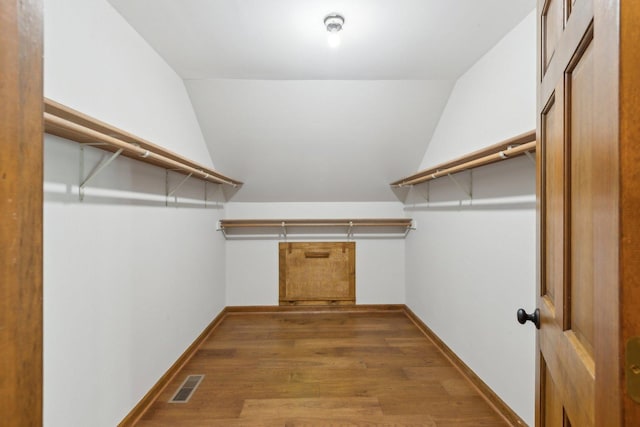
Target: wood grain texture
pixel 580 338
pixel 306 278
pixel 606 270
pixel 552 26
pixel 326 367
pixel 630 183
pixel 367 308
pixel 21 50
pixel 566 289
pixel 583 169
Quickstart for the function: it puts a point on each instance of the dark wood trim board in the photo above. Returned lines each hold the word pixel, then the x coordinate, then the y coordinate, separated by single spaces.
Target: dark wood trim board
pixel 21 159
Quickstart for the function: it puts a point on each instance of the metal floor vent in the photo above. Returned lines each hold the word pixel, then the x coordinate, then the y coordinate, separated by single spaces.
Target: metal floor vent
pixel 186 389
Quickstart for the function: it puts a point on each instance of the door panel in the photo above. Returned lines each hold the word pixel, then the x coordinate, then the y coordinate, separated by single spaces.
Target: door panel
pixel 552 24
pixel 552 143
pixel 566 105
pixel 581 106
pixel 553 411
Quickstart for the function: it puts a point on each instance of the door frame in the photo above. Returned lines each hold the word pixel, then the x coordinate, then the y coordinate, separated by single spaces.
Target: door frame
pixel 21 194
pixel 628 130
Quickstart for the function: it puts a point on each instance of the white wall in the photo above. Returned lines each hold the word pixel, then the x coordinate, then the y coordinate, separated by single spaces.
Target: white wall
pixel 349 137
pixel 252 265
pixel 471 265
pixel 129 283
pixel 493 101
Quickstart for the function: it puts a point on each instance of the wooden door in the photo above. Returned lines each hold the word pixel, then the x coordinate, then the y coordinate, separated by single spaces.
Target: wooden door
pixel 582 213
pixel 317 273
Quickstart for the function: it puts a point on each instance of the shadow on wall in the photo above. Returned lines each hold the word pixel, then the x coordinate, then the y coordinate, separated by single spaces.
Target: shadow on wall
pixel 504 185
pixel 123 182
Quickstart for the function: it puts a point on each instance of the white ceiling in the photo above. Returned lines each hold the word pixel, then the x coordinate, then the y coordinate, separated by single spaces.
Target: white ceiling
pixel 305 140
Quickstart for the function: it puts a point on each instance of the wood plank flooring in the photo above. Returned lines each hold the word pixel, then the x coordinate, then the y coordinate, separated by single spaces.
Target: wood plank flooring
pixel 322 369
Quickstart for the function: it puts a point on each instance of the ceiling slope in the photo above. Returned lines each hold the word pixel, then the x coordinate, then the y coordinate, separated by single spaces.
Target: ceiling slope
pixel 299 121
pixel 286 39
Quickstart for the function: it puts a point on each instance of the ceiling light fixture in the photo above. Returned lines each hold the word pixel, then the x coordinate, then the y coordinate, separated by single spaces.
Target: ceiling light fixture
pixel 334 23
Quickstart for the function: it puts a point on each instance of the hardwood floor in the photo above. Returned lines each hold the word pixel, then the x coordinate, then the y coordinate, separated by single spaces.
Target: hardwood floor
pixel 322 369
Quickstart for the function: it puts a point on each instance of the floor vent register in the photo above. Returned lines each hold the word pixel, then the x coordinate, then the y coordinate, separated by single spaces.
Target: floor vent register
pixel 185 391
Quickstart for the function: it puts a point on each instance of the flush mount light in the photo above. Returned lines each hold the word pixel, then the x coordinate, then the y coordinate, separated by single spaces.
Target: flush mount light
pixel 334 23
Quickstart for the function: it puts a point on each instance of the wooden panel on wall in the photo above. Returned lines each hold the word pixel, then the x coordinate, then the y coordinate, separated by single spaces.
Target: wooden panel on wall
pixel 317 273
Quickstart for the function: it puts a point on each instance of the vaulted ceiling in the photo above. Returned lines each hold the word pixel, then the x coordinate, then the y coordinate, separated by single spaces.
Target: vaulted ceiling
pixel 297 120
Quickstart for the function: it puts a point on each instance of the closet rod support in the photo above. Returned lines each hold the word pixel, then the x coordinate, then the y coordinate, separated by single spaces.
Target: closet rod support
pixel 462 188
pixel 530 156
pixel 220 227
pixel 350 231
pixel 99 168
pixel 177 187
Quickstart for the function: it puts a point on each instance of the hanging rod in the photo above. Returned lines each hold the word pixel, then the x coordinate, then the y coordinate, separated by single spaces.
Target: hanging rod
pixel 288 227
pixel 65 122
pixel 265 223
pixel 507 149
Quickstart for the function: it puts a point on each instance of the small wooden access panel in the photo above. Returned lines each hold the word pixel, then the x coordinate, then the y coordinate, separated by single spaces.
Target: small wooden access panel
pixel 318 273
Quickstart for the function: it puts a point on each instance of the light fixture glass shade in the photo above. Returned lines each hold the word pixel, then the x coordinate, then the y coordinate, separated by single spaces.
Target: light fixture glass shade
pixel 333 39
pixel 334 23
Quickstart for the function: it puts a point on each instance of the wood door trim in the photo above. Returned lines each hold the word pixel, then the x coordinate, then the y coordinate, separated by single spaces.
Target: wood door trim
pixel 629 157
pixel 21 43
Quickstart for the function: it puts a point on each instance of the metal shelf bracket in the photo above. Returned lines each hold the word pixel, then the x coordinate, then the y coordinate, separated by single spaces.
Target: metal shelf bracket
pixel 466 190
pixel 177 187
pixel 96 170
pixel 530 157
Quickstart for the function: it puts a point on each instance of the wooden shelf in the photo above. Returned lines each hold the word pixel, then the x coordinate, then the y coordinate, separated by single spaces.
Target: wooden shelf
pixel 68 123
pixel 283 227
pixel 512 147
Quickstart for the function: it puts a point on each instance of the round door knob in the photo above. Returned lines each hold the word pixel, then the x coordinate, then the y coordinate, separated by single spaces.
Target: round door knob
pixel 533 317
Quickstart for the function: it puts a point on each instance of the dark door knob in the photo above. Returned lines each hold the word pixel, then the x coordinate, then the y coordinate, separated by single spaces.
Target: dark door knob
pixel 534 317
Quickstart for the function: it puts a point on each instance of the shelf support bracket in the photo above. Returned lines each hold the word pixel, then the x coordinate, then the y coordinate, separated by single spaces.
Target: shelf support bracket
pixel 468 191
pixel 99 168
pixel 350 231
pixel 284 230
pixel 530 156
pixel 426 195
pixel 219 227
pixel 412 226
pixel 177 187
